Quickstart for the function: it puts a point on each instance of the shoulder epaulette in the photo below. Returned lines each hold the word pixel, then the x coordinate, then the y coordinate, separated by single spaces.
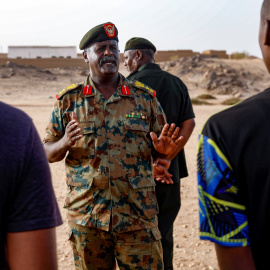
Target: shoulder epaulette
pixel 144 87
pixel 65 90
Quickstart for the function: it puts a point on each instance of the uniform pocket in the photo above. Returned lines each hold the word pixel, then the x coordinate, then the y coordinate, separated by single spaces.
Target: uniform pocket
pixel 137 137
pixel 79 198
pixel 142 198
pixel 138 159
pixel 84 148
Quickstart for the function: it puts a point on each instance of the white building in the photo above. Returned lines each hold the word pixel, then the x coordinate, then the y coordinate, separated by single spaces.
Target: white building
pixel 42 52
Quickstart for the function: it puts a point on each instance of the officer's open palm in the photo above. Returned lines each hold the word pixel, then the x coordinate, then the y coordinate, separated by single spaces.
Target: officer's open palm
pixel 72 133
pixel 167 142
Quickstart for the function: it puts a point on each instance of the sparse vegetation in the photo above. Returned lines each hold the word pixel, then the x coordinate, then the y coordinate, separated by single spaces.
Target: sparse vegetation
pixel 197 101
pixel 239 55
pixel 206 96
pixel 231 101
pixel 174 57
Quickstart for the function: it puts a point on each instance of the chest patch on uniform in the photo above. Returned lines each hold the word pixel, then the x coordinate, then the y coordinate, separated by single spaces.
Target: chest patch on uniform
pixel 87 90
pixel 69 88
pixel 125 90
pixel 136 115
pixel 144 87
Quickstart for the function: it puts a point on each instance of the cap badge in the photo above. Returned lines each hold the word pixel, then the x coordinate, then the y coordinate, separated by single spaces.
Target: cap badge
pixel 109 30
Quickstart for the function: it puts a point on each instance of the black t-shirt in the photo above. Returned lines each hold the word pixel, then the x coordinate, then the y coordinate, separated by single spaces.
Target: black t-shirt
pixel 234 177
pixel 27 200
pixel 173 96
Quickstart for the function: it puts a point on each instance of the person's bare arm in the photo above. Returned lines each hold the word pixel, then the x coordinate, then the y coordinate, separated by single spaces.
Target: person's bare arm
pixel 32 250
pixel 56 151
pixel 234 258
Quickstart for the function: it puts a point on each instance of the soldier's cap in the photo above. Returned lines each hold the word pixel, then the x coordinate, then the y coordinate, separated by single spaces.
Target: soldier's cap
pixel 139 43
pixel 101 32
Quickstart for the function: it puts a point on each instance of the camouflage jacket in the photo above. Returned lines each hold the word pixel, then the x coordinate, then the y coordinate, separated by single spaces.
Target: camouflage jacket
pixel 109 170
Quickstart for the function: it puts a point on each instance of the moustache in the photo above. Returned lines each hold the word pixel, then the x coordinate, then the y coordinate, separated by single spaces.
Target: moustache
pixel 106 59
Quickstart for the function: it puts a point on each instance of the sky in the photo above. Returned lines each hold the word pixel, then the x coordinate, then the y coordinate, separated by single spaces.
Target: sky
pixel 197 25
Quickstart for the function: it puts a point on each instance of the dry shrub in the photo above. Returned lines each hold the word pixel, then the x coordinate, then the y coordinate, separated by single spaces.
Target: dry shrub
pixel 206 96
pixel 231 101
pixel 197 101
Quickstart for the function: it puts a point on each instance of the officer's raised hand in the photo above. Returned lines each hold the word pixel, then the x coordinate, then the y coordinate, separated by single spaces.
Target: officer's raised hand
pixel 168 140
pixel 72 133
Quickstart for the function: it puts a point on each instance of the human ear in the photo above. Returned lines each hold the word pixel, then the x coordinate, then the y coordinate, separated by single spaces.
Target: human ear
pixel 267 33
pixel 85 57
pixel 139 55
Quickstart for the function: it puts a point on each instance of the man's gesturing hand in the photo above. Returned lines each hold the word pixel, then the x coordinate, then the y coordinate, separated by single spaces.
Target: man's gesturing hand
pixel 167 142
pixel 72 131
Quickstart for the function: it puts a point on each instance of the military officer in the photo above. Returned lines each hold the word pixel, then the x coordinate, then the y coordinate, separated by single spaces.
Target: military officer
pixel 174 99
pixel 105 128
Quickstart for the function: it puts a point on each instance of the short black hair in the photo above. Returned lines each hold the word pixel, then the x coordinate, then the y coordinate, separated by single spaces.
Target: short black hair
pixel 265 11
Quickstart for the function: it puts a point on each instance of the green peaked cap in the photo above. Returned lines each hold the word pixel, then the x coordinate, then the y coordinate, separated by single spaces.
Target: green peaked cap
pixel 101 32
pixel 139 43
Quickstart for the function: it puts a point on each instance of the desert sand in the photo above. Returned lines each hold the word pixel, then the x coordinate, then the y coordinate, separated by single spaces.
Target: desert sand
pixel 33 91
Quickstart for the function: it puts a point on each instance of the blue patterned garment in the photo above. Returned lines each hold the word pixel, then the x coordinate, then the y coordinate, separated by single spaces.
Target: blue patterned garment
pixel 223 217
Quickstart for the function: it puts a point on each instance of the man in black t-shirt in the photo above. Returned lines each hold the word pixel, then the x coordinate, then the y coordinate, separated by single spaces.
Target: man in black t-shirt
pixel 173 96
pixel 28 208
pixel 234 176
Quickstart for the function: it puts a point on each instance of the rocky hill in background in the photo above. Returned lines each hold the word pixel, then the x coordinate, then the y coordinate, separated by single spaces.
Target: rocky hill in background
pixel 241 78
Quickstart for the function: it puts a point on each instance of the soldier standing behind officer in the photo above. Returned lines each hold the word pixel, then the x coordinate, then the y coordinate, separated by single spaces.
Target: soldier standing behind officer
pixel 103 128
pixel 173 96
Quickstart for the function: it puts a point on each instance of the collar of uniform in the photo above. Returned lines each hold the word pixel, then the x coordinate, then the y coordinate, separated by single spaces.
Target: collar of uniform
pixel 88 81
pixel 118 94
pixel 149 66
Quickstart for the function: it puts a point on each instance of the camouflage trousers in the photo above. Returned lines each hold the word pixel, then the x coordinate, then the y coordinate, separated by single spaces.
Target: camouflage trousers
pixel 99 250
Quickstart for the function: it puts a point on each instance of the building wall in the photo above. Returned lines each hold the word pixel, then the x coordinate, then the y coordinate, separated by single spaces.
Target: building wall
pixel 78 62
pixel 31 52
pixel 3 55
pixel 162 56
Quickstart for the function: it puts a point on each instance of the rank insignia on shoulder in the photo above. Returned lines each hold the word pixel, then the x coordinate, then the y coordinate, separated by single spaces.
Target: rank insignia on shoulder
pixel 142 86
pixel 69 88
pixel 136 115
pixel 125 90
pixel 87 90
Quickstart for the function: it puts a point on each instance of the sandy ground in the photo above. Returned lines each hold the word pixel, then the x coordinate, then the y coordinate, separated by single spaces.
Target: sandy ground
pixel 35 96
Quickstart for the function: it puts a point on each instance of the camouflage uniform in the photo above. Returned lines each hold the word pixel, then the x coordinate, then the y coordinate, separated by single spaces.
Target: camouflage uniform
pixel 110 184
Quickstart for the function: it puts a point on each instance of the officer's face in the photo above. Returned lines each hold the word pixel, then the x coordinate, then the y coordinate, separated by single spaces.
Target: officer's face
pixel 103 58
pixel 130 61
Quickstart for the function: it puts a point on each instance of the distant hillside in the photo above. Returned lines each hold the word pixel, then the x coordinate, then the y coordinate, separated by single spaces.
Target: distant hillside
pixel 243 77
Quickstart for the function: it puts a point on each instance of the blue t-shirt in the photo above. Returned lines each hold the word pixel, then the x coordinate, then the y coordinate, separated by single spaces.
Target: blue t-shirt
pixel 27 200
